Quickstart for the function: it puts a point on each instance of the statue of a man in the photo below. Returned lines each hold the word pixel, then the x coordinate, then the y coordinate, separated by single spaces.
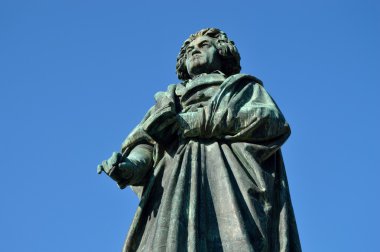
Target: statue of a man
pixel 206 161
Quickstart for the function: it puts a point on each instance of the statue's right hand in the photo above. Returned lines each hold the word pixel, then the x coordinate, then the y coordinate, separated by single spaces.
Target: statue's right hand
pixel 108 164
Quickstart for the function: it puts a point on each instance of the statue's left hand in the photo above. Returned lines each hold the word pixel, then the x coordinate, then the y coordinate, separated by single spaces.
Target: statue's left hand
pixel 117 167
pixel 108 164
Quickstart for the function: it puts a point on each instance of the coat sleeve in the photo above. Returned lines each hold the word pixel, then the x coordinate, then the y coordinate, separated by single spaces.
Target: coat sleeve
pixel 240 112
pixel 138 147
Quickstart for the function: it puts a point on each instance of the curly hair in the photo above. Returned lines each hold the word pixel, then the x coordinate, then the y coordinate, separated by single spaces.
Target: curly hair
pixel 226 48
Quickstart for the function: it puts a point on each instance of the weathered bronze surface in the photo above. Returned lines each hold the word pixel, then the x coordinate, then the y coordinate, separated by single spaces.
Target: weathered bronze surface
pixel 206 160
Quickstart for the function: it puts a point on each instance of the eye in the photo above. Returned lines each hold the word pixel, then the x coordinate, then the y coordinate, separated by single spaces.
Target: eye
pixel 205 44
pixel 189 49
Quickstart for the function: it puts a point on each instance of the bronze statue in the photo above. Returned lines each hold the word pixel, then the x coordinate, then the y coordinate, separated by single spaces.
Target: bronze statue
pixel 206 160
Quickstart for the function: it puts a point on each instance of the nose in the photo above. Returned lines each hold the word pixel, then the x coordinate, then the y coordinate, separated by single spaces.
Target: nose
pixel 195 51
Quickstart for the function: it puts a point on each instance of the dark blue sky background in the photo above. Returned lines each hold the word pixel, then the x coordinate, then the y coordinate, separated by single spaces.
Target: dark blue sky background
pixel 77 76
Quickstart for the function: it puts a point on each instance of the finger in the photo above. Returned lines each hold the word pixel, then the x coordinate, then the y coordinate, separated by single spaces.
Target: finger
pixel 113 159
pixel 99 169
pixel 106 167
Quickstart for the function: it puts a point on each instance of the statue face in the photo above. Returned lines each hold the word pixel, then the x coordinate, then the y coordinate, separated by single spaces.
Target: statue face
pixel 202 56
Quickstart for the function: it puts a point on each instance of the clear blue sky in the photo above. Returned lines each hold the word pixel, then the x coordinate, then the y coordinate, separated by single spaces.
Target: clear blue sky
pixel 77 76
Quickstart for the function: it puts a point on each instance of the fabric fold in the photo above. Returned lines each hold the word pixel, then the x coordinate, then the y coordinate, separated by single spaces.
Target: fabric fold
pixel 220 186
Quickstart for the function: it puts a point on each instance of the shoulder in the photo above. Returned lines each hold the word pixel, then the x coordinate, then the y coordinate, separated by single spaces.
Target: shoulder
pixel 240 80
pixel 244 77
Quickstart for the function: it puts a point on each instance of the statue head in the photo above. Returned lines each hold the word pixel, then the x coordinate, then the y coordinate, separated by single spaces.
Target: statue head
pixel 206 51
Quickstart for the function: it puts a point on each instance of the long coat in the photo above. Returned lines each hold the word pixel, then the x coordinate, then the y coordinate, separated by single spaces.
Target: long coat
pixel 219 184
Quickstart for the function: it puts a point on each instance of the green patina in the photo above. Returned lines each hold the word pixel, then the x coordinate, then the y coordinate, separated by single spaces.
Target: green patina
pixel 206 161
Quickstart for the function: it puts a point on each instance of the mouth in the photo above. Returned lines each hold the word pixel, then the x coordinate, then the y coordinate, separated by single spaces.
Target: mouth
pixel 196 56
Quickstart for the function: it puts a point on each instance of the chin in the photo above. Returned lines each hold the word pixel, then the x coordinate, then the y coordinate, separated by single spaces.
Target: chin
pixel 198 67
